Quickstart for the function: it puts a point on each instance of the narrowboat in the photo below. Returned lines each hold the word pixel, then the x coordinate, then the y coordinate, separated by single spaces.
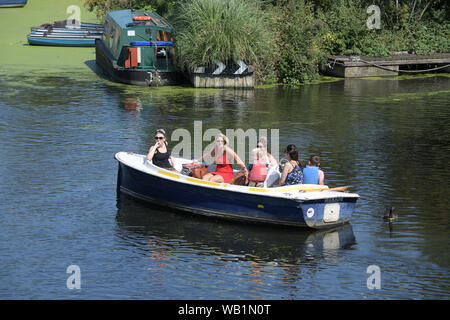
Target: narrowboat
pixel 310 206
pixel 12 3
pixel 137 48
pixel 64 33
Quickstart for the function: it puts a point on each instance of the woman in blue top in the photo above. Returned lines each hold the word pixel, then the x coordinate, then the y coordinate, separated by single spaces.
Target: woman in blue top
pixel 292 171
pixel 312 173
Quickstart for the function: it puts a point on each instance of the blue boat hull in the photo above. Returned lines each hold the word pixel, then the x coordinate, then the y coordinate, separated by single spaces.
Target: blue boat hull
pixel 12 3
pixel 228 204
pixel 61 42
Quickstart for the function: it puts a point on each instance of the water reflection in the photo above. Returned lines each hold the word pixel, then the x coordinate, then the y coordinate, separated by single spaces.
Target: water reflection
pixel 157 231
pixel 389 140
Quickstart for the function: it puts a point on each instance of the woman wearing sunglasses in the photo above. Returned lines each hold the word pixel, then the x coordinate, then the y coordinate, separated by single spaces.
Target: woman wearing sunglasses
pixel 159 153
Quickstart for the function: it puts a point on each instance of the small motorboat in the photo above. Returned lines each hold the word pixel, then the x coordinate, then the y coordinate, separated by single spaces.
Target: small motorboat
pixel 70 33
pixel 12 3
pixel 311 206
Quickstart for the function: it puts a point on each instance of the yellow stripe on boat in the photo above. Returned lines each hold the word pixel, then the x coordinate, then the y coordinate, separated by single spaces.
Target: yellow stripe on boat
pixel 259 190
pixel 172 175
pixel 209 183
pixel 313 188
pixel 300 188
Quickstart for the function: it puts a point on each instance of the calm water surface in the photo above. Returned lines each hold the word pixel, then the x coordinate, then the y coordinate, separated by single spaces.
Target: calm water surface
pixel 388 139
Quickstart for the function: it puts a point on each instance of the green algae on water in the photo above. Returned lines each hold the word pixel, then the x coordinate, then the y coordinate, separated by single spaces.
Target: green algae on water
pixel 409 76
pixel 18 57
pixel 398 97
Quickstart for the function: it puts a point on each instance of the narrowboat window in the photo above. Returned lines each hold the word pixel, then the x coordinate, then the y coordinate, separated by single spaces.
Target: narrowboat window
pixel 116 43
pixel 164 36
pixel 111 37
pixel 105 33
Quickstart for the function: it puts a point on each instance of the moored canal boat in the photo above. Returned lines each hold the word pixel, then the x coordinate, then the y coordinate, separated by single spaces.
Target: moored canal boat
pixel 137 48
pixel 310 206
pixel 12 3
pixel 65 33
pixel 61 40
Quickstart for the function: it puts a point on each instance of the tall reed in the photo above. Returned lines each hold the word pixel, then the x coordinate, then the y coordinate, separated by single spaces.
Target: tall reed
pixel 224 30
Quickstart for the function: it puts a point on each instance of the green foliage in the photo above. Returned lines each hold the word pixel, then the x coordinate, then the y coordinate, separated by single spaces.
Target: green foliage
pixel 224 30
pixel 102 6
pixel 298 38
pixel 426 38
pixel 287 40
pixel 347 33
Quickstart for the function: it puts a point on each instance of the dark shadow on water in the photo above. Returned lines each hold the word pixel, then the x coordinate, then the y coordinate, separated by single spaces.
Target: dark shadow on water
pixel 92 64
pixel 247 242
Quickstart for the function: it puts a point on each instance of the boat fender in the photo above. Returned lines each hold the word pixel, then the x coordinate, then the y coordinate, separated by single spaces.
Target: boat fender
pixel 141 18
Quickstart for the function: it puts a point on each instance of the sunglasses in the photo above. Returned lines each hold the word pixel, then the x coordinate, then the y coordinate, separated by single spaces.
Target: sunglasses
pixel 159 138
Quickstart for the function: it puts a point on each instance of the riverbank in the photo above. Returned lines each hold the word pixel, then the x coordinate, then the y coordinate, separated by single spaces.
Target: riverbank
pixel 24 62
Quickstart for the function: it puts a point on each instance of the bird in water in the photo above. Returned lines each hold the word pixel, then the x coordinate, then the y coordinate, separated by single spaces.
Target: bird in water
pixel 389 214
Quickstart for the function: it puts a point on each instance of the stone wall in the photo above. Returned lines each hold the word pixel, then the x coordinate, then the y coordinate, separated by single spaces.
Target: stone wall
pixel 200 79
pixel 364 71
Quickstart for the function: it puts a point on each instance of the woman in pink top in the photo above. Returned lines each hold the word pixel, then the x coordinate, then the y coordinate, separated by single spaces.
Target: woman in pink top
pixel 258 174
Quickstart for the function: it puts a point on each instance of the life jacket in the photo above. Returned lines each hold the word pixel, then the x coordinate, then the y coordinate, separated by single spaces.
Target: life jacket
pixel 311 175
pixel 259 171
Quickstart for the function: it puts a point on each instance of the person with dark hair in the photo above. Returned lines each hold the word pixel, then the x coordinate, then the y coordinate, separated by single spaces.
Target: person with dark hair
pixel 159 153
pixel 292 171
pixel 312 173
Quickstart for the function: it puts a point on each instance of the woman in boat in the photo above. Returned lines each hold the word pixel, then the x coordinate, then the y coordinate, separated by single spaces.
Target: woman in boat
pixel 262 143
pixel 258 171
pixel 223 157
pixel 292 171
pixel 159 153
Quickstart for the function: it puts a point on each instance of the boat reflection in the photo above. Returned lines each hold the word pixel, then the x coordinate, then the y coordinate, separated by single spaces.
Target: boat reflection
pixel 157 227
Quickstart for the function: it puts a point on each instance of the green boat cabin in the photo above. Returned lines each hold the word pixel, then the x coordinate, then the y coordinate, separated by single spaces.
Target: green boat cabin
pixel 139 40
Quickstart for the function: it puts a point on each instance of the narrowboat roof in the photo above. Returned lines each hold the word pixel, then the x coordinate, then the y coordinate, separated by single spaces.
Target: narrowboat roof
pixel 124 18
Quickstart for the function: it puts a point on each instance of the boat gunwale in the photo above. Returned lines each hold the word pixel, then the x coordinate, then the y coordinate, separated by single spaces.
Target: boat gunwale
pixel 284 192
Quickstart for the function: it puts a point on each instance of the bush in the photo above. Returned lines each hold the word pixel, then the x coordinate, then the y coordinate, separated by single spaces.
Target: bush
pixel 102 6
pixel 299 36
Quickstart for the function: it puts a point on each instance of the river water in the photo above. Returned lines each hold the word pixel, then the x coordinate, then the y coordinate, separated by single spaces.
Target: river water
pixel 388 139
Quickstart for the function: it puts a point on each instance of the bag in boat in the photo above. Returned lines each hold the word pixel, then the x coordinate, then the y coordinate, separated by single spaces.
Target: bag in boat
pixel 194 170
pixel 240 179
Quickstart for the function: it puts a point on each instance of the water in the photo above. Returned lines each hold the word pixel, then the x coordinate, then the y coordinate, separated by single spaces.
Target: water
pixel 388 139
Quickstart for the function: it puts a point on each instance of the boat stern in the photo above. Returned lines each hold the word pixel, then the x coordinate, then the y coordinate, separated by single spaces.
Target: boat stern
pixel 324 209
